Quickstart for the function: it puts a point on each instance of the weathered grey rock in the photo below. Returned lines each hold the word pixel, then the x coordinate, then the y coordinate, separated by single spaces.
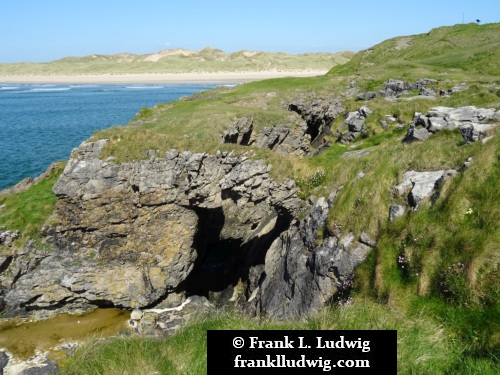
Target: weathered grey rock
pixel 468 162
pixel 4 360
pixel 319 114
pixel 240 132
pixel 463 114
pixel 395 211
pixel 395 88
pixel 423 82
pixel 47 367
pixel 417 134
pixel 422 185
pixel 427 92
pixel 316 219
pixel 364 238
pixel 136 314
pixel 470 120
pixel 436 124
pixel 475 132
pixel 39 364
pixel 366 95
pixel 284 139
pixel 356 153
pixel 164 322
pixel 129 234
pixel 460 87
pixel 303 272
pixel 355 123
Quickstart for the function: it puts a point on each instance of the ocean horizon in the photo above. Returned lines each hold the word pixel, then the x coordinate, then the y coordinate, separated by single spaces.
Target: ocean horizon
pixel 41 123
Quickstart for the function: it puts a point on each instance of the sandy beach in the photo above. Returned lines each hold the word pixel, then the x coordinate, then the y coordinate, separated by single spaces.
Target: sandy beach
pixel 159 78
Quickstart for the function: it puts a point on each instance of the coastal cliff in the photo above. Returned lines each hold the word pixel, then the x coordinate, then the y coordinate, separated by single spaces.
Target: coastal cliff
pixel 131 235
pixel 363 199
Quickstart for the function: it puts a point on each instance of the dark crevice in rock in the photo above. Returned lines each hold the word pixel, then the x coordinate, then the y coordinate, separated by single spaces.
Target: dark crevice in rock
pixel 30 301
pixel 103 303
pixel 222 263
pixel 17 277
pixel 218 269
pixel 6 263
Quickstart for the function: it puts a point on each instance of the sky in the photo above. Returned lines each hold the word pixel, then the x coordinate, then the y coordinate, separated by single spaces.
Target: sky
pixel 46 30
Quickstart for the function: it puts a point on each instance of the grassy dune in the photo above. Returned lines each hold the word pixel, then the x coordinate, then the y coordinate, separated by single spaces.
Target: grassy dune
pixel 179 61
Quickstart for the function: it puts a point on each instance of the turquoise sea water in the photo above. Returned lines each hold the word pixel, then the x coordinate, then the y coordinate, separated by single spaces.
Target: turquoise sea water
pixel 41 124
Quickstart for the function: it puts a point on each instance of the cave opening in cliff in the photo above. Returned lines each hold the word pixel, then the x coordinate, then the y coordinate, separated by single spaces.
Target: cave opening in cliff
pixel 223 262
pixel 313 129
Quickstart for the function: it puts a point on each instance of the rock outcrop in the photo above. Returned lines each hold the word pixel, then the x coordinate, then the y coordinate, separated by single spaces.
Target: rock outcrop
pixel 318 114
pixel 129 234
pixel 418 186
pixel 240 132
pixel 39 364
pixel 293 138
pixel 394 88
pixel 303 271
pixel 147 235
pixel 355 124
pixel 470 120
pixel 282 139
pixel 166 321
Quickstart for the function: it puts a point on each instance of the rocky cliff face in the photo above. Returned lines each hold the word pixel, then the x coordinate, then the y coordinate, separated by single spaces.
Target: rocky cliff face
pixel 304 272
pixel 136 234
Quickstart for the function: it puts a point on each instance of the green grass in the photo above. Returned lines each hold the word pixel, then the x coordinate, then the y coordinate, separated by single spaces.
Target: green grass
pixel 425 345
pixel 27 211
pixel 454 52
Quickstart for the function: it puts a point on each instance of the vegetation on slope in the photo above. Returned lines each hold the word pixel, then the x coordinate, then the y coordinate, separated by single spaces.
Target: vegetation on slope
pixel 26 212
pixel 443 297
pixel 451 249
pixel 180 61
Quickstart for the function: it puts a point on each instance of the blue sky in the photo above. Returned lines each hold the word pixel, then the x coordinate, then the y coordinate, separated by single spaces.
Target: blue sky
pixel 45 30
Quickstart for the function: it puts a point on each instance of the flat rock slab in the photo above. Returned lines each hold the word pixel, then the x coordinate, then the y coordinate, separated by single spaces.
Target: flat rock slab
pixel 422 185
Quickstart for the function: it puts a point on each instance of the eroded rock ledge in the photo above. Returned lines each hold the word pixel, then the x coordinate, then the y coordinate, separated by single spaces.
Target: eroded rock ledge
pixel 146 233
pixel 298 137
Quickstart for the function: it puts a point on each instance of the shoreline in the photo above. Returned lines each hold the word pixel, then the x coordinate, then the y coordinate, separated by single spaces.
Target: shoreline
pixel 159 78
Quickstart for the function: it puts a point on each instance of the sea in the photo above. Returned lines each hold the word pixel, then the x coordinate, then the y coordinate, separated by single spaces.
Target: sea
pixel 41 124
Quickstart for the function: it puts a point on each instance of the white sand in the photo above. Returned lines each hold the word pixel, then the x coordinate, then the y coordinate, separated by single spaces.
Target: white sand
pixel 156 78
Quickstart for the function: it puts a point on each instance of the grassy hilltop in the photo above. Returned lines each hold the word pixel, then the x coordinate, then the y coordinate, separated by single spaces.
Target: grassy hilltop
pixel 179 61
pixel 444 297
